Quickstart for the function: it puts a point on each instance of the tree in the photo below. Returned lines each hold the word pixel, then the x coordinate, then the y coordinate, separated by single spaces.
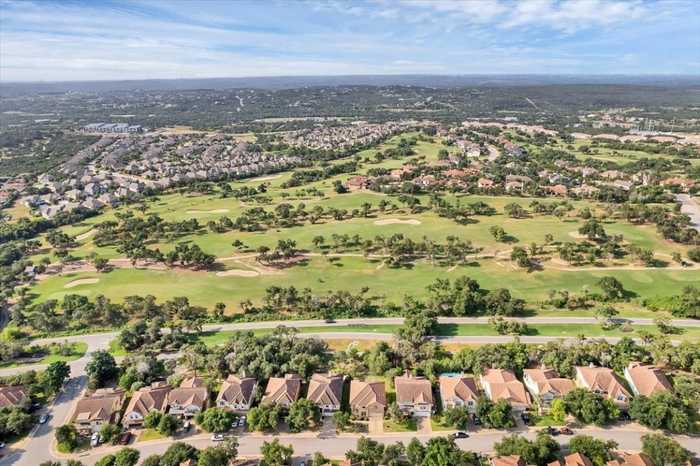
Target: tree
pixel 101 369
pixel 541 451
pixel 215 420
pixel 393 454
pixel 558 410
pixel 457 417
pixel 612 288
pixel 221 455
pixel 662 410
pixel 110 432
pixel 67 437
pixel 264 417
pixel 368 452
pixel 318 459
pixel 276 454
pixel 415 451
pixel 153 460
pixel 152 419
pixel 126 457
pixel 55 375
pixel 664 451
pixel 589 407
pixel 342 420
pixel 167 425
pixel 303 414
pixel 178 453
pixel 107 460
pixel 598 451
pixel 443 451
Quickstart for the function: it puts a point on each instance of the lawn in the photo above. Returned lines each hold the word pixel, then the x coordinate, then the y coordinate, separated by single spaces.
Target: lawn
pixel 79 349
pixel 149 434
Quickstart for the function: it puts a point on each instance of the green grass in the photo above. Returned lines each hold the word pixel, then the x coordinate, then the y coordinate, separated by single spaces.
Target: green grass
pixel 409 425
pixel 545 421
pixel 353 273
pixel 79 349
pixel 437 425
pixel 150 434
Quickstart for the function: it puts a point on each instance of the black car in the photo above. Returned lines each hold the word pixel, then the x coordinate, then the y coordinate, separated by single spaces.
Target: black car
pixel 460 435
pixel 526 418
pixel 550 431
pixel 477 421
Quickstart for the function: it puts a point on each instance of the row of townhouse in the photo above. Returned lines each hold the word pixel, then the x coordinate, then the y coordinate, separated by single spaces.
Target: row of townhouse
pixel 578 459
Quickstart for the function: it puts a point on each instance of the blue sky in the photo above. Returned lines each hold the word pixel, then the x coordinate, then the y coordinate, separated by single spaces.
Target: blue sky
pixel 133 39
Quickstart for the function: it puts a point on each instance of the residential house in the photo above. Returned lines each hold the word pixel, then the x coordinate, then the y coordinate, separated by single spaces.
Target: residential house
pixel 646 380
pixel 414 395
pixel 97 409
pixel 282 391
pixel 556 190
pixel 367 399
pixel 574 459
pixel 12 396
pixel 189 399
pixel 143 401
pixel 485 183
pixel 604 381
pixel 357 182
pixel 237 393
pixel 458 391
pixel 545 385
pixel 326 391
pixel 510 460
pixel 630 459
pixel 501 384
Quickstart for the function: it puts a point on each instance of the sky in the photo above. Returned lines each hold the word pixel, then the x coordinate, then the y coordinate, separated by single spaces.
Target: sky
pixel 149 39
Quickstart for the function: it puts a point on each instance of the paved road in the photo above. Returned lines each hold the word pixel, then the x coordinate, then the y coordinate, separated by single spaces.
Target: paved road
pixel 690 208
pixel 101 340
pixel 305 445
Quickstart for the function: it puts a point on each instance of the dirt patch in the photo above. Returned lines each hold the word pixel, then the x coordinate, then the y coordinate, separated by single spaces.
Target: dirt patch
pixel 81 281
pixel 577 235
pixel 399 221
pixel 237 273
pixel 215 211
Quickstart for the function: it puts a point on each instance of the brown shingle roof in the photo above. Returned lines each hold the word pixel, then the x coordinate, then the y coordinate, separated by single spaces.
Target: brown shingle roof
pixel 603 380
pixel 282 388
pixel 574 459
pixel 101 405
pixel 326 389
pixel 463 388
pixel 366 393
pixel 548 381
pixel 413 390
pixel 191 391
pixel 503 385
pixel 12 396
pixel 147 399
pixel 510 460
pixel 631 459
pixel 648 379
pixel 237 390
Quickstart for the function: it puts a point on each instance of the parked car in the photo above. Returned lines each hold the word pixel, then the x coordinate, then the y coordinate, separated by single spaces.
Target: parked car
pixel 2 445
pixel 218 438
pixel 550 431
pixel 43 419
pixel 477 421
pixel 566 431
pixel 186 426
pixel 125 438
pixel 525 417
pixel 460 435
pixel 95 440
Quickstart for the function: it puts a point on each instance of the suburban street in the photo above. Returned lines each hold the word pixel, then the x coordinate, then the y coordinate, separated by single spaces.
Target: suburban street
pixel 37 446
pixel 690 208
pixel 305 444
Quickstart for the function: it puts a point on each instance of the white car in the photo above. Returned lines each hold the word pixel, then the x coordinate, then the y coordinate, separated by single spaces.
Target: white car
pixel 218 438
pixel 43 419
pixel 95 439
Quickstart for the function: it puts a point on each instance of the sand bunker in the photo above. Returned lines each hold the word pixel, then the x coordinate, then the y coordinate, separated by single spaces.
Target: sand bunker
pixel 394 221
pixel 82 281
pixel 264 178
pixel 85 235
pixel 237 273
pixel 215 211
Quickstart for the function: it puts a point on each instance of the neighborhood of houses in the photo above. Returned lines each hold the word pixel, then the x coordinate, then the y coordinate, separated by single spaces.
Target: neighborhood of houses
pixel 127 166
pixel 367 400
